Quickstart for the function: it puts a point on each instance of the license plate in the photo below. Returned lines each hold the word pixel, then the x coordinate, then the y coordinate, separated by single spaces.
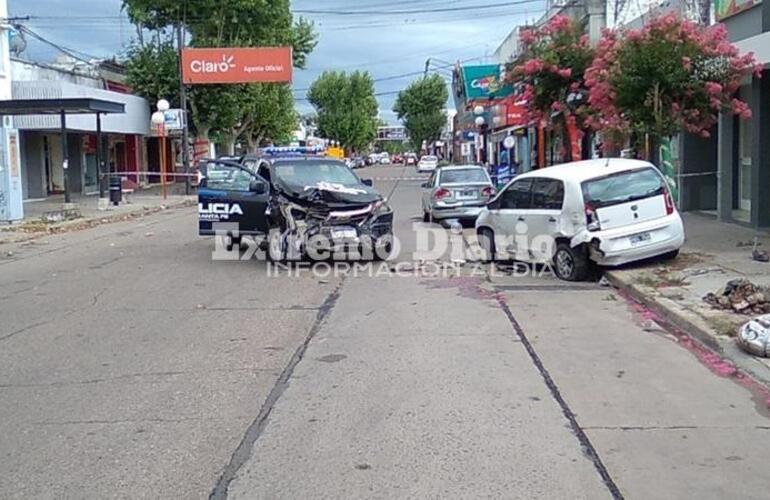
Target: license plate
pixel 640 238
pixel 467 195
pixel 344 233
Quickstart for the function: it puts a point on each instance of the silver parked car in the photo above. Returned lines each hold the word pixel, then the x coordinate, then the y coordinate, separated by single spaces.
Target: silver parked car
pixel 456 192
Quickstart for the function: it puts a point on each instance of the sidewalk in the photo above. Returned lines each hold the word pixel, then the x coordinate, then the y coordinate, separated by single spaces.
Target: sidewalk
pixel 43 217
pixel 714 253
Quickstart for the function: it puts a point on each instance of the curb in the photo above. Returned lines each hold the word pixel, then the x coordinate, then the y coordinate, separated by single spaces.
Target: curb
pixel 692 325
pixel 15 236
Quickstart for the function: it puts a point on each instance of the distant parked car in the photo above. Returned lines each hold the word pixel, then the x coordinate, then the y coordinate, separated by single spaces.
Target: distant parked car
pixel 411 160
pixel 456 192
pixel 606 211
pixel 427 163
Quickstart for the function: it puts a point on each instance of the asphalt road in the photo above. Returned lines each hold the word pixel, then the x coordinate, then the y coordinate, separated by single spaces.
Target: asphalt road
pixel 134 366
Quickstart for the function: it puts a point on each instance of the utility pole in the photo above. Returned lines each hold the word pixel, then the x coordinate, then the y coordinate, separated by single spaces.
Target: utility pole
pixel 427 66
pixel 183 105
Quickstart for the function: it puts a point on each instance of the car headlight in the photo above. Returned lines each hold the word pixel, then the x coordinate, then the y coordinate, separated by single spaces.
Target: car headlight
pixel 381 208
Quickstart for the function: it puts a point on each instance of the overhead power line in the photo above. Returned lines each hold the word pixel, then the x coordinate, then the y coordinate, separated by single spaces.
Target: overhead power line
pixel 369 12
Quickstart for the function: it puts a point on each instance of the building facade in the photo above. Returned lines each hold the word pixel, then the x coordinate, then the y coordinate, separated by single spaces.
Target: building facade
pixel 39 135
pixel 743 146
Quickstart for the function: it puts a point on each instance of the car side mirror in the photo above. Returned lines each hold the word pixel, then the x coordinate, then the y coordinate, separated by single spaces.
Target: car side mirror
pixel 425 185
pixel 367 182
pixel 258 187
pixel 494 204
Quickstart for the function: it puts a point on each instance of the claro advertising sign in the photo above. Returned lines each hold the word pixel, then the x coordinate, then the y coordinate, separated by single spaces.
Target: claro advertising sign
pixel 237 65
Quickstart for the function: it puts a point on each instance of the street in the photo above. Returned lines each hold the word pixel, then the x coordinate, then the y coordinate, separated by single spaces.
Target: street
pixel 132 365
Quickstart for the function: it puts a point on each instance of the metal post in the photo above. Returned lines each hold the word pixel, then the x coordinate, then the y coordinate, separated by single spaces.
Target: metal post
pixel 65 157
pixel 163 162
pixel 183 106
pixel 100 175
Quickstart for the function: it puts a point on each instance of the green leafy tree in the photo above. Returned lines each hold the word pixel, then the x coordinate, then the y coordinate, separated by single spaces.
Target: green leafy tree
pixel 151 71
pixel 421 108
pixel 225 112
pixel 346 107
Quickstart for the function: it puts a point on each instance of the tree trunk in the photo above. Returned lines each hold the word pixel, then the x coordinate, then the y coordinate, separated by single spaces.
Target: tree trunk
pixel 229 145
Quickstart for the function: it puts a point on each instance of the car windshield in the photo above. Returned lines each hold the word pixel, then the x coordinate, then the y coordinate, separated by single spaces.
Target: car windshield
pixel 429 158
pixel 309 173
pixel 466 175
pixel 623 187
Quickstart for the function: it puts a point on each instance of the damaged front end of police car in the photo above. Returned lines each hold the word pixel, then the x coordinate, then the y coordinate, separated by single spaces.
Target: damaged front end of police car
pixel 321 209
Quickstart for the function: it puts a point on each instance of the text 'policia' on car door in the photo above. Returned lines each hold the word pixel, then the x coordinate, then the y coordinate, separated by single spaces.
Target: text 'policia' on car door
pixel 230 193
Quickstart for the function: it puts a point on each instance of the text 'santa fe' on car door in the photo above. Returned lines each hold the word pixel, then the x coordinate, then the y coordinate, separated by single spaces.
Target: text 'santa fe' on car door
pixel 515 202
pixel 231 194
pixel 543 218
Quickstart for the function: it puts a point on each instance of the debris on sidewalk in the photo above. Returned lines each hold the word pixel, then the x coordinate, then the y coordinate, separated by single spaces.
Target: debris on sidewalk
pixel 754 336
pixel 757 254
pixel 741 296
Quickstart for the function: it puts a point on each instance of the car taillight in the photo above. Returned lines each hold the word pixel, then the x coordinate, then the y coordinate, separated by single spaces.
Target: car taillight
pixel 488 191
pixel 592 218
pixel 442 193
pixel 669 202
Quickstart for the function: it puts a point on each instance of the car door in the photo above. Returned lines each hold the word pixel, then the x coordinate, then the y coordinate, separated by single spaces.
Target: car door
pixel 230 193
pixel 510 210
pixel 543 218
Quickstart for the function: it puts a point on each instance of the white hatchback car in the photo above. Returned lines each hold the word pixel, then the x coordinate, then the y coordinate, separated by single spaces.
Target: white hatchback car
pixel 427 163
pixel 609 211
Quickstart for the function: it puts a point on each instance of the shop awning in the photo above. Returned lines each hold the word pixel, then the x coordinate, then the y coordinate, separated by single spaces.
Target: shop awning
pixel 68 106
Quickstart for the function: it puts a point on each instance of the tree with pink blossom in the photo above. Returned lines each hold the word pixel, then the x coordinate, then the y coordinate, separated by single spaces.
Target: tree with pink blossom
pixel 549 72
pixel 671 75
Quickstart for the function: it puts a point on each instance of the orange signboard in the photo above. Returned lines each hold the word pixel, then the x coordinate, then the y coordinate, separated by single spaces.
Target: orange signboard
pixel 237 65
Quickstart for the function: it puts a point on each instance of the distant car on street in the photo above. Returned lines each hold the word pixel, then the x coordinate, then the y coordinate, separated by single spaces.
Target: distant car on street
pixel 427 163
pixel 604 211
pixel 456 192
pixel 384 158
pixel 410 160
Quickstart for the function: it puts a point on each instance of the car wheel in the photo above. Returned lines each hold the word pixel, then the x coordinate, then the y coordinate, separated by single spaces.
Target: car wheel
pixel 275 247
pixel 487 241
pixel 570 264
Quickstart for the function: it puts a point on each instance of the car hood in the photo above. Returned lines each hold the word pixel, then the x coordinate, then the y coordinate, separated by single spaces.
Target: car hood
pixel 327 193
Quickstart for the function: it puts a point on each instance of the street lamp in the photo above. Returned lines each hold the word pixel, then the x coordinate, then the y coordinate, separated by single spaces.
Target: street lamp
pixel 478 110
pixel 480 121
pixel 158 119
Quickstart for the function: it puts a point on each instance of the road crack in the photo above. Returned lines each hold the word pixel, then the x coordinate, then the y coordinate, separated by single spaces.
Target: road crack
pixel 243 452
pixel 585 442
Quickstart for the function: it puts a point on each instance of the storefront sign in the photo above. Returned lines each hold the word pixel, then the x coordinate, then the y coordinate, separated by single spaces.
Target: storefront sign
pixel 484 82
pixel 13 153
pixel 237 65
pixel 726 8
pixel 174 119
pixel 516 114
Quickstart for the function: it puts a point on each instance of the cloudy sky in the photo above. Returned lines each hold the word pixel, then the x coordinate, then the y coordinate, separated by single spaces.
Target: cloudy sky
pixel 390 39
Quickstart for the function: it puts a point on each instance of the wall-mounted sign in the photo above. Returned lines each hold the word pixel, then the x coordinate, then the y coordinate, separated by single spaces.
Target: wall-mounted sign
pixel 726 8
pixel 237 65
pixel 174 119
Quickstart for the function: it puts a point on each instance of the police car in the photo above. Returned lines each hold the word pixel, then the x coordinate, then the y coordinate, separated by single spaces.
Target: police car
pixel 293 198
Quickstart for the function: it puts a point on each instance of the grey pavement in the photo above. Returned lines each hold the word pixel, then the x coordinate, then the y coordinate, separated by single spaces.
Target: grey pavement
pixel 134 366
pixel 714 253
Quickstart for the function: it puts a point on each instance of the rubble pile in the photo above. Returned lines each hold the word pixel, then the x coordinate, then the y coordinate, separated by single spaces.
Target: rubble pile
pixel 741 296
